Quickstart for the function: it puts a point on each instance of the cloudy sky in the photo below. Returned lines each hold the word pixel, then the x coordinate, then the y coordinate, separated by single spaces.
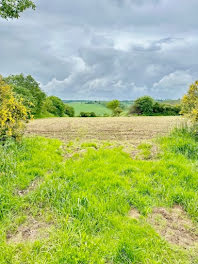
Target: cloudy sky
pixel 105 49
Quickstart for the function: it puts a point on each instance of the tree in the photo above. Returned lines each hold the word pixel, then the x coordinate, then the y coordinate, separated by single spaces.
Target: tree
pixel 190 102
pixel 143 106
pixel 114 105
pixel 69 110
pixel 13 114
pixel 55 106
pixel 13 8
pixel 29 90
pixel 87 114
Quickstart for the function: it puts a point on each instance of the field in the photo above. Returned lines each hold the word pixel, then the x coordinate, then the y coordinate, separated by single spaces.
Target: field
pixel 77 197
pixel 132 130
pixel 98 109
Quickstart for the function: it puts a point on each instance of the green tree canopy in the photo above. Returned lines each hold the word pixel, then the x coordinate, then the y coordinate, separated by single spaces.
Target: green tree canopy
pixel 27 88
pixel 69 110
pixel 143 105
pixel 13 8
pixel 55 106
pixel 114 105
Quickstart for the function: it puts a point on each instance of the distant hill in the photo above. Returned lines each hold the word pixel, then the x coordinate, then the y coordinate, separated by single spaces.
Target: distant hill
pixel 100 109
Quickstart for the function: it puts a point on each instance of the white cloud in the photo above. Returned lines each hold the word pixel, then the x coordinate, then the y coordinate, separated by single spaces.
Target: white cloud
pixel 173 85
pixel 105 49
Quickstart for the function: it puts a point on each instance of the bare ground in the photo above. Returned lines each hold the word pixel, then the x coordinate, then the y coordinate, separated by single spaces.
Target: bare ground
pixel 173 224
pixel 30 231
pixel 133 130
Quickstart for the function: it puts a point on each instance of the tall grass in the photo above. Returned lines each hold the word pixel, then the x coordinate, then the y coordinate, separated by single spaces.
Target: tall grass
pixel 86 200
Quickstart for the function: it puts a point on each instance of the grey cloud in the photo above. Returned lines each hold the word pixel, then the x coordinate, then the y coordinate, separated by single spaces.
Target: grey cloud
pixel 105 49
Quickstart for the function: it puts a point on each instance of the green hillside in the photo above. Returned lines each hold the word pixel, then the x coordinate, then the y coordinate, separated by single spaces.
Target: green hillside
pixel 98 108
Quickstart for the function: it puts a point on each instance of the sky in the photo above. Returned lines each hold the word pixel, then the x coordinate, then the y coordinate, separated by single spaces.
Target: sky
pixel 105 49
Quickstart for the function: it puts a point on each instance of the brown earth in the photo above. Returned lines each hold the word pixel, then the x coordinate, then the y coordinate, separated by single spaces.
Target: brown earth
pixel 173 224
pixel 30 231
pixel 120 129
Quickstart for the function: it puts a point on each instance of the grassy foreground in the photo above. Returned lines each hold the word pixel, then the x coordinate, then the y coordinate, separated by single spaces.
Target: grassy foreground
pixel 78 208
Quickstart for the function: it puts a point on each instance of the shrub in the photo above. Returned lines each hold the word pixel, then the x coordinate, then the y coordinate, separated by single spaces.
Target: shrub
pixel 69 110
pixel 147 106
pixel 166 109
pixel 92 114
pixel 13 113
pixel 87 114
pixel 115 106
pixel 190 103
pixel 143 106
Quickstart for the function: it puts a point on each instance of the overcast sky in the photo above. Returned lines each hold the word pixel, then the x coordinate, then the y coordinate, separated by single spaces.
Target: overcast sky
pixel 105 49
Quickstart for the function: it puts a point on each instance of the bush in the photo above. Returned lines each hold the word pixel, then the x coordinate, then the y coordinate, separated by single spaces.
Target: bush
pixel 115 106
pixel 87 114
pixel 143 106
pixel 166 109
pixel 13 114
pixel 190 103
pixel 69 110
pixel 148 107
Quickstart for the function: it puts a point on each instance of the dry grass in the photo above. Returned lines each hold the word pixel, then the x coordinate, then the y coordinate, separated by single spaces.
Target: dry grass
pixel 134 130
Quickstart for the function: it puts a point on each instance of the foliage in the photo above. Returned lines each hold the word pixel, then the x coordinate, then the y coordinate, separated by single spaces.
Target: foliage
pixel 147 106
pixel 55 106
pixel 29 90
pixel 69 110
pixel 13 113
pixel 115 106
pixel 143 106
pixel 87 114
pixel 166 109
pixel 13 8
pixel 84 202
pixel 190 102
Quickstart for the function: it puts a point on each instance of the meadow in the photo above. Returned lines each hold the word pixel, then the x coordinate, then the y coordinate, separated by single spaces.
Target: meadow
pixel 83 201
pixel 98 108
pixel 99 205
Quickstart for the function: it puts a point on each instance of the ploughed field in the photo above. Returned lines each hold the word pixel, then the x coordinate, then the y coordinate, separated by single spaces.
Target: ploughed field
pixel 130 129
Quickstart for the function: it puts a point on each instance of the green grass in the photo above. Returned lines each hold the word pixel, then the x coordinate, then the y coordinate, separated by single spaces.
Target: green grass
pixel 85 201
pixel 98 109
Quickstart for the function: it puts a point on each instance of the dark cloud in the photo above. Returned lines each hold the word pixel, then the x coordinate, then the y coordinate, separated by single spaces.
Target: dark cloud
pixel 105 49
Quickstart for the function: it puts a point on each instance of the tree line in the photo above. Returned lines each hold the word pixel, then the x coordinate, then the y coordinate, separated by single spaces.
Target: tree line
pixel 35 100
pixel 21 99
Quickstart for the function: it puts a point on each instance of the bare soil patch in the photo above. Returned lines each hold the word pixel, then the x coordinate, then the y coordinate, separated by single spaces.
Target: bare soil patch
pixel 34 184
pixel 175 226
pixel 30 231
pixel 134 214
pixel 127 130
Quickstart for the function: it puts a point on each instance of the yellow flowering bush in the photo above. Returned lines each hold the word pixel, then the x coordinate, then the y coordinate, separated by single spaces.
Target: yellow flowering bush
pixel 190 102
pixel 13 114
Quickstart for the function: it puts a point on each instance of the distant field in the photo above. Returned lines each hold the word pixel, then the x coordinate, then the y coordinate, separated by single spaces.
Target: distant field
pixel 98 109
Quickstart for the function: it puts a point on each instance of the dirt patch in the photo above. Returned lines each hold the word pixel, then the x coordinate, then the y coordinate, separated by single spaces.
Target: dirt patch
pixel 34 184
pixel 175 226
pixel 30 231
pixel 134 214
